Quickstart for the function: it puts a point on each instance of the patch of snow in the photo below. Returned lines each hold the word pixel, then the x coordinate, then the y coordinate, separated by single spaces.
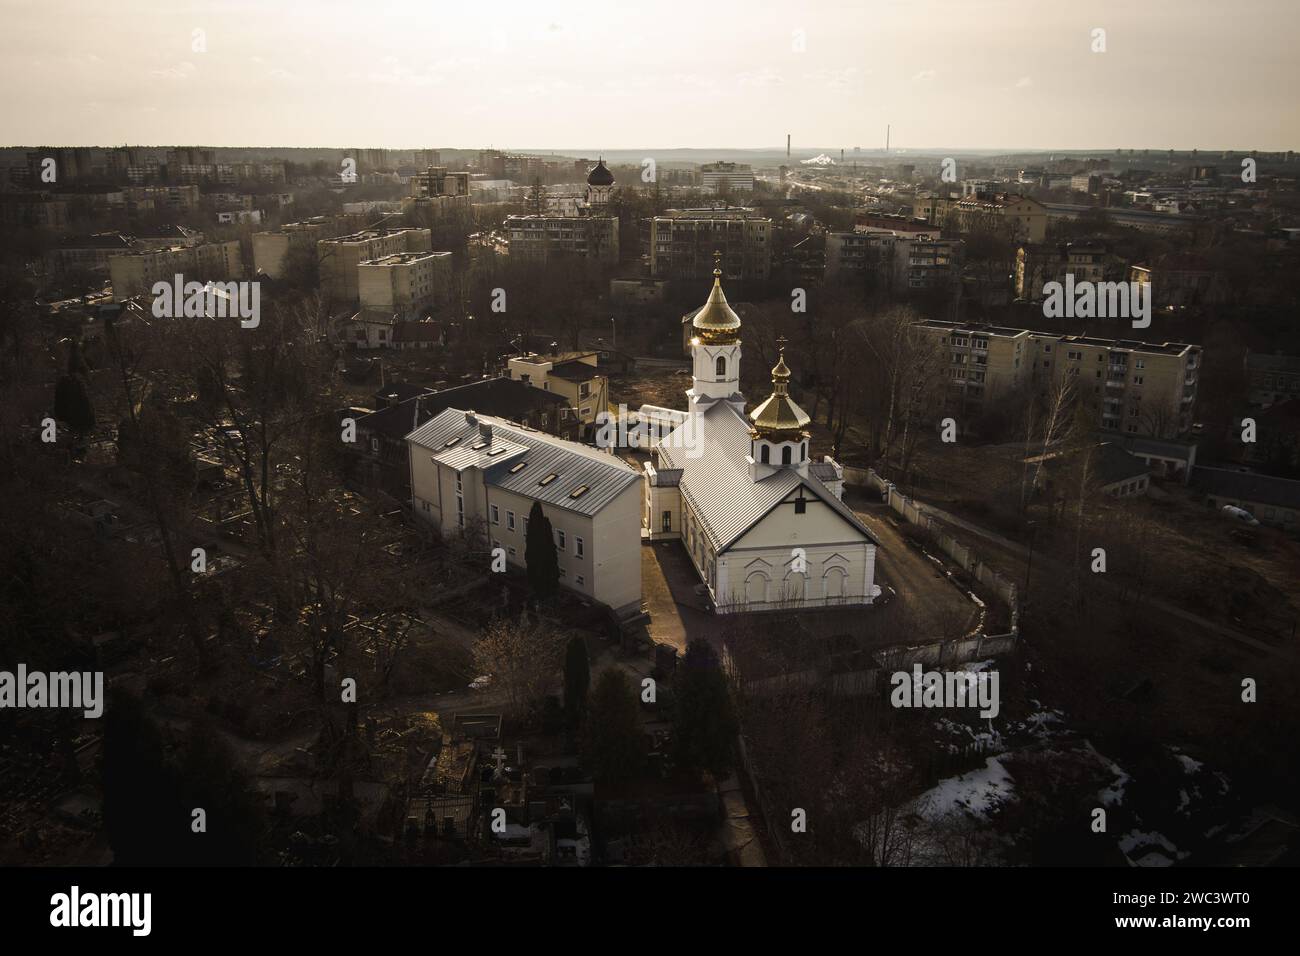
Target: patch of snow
pixel 1164 856
pixel 977 792
pixel 1190 766
pixel 1114 794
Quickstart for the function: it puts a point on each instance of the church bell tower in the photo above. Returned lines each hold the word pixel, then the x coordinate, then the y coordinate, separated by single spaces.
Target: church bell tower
pixel 715 348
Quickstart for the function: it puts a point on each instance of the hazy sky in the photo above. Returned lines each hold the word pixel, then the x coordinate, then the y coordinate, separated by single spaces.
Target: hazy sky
pixel 621 74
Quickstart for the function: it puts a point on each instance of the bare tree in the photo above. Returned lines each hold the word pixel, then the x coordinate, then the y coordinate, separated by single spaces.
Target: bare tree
pixel 522 656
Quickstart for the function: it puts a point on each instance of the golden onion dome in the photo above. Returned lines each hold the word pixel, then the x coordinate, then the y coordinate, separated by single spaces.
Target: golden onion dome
pixel 716 322
pixel 778 416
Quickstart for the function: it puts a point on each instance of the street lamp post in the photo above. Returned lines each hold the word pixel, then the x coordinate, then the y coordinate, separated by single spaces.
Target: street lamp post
pixel 614 325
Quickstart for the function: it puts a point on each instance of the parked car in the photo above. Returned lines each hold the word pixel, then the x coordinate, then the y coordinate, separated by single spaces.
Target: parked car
pixel 1240 514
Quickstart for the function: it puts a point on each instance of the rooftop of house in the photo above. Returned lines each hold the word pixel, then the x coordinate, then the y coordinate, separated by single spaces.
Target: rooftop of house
pixel 100 240
pixel 574 370
pixel 1247 487
pixel 1107 462
pixel 500 397
pixel 367 235
pixel 1157 447
pixel 529 463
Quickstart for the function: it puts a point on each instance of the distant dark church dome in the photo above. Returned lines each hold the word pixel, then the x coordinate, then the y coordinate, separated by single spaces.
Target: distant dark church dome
pixel 600 176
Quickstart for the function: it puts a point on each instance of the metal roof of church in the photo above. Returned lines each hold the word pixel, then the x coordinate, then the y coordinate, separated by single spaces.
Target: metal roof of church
pixel 718 484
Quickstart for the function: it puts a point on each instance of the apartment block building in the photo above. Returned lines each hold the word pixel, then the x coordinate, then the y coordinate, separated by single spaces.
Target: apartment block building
pixel 903 262
pixel 574 376
pixel 436 181
pixel 87 253
pixel 540 238
pixel 271 248
pixel 339 257
pixel 683 242
pixel 228 173
pixel 897 225
pixel 1037 265
pixel 33 210
pixel 409 284
pixel 1135 388
pixel 727 177
pixel 1272 378
pixel 135 273
pixel 1018 217
pixel 928 263
pixel 181 198
pixel 1180 280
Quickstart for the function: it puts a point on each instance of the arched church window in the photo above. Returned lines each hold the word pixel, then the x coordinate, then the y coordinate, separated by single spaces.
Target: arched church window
pixel 721 366
pixel 803 451
pixel 785 455
pixel 765 455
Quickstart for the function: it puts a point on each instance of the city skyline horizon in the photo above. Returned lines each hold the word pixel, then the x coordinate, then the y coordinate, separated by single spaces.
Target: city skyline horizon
pixel 982 73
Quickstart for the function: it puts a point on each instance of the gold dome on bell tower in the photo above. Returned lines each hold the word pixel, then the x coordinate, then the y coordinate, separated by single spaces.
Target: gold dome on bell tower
pixel 717 323
pixel 778 416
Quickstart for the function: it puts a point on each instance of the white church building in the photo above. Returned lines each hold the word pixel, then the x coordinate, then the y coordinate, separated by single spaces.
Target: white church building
pixel 765 527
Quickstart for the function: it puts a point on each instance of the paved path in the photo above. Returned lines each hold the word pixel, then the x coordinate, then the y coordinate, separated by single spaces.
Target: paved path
pixel 677 614
pixel 924 592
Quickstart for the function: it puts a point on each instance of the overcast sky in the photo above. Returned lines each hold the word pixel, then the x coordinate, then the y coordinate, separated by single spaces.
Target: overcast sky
pixel 624 74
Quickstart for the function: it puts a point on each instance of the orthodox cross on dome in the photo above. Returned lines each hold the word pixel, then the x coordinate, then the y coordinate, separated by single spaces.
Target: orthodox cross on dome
pixel 780 343
pixel 717 262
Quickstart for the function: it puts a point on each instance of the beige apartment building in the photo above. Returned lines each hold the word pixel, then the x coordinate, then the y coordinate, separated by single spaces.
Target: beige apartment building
pixel 184 198
pixel 727 177
pixel 538 238
pixel 271 249
pixel 1135 388
pixel 339 257
pixel 410 284
pixel 135 273
pixel 903 262
pixel 436 181
pixel 574 376
pixel 1019 217
pixel 1037 265
pixel 683 243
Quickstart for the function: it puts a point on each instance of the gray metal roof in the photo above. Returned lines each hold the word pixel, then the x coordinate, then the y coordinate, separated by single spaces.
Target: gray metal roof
pixel 574 465
pixel 823 470
pixel 716 480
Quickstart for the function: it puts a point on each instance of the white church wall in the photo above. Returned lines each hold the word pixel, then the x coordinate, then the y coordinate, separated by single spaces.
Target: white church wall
pixel 765 578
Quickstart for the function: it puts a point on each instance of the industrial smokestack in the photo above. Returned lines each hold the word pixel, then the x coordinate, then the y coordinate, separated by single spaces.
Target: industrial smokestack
pixel 787 145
